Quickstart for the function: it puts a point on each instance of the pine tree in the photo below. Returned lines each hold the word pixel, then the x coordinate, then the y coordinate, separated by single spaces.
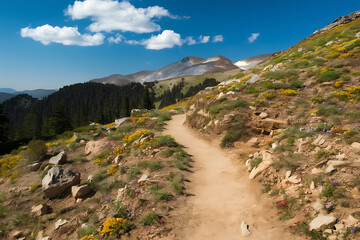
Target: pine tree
pixel 59 122
pixel 146 100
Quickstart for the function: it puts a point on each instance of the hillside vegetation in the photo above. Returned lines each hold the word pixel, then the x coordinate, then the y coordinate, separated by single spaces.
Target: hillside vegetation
pixel 300 113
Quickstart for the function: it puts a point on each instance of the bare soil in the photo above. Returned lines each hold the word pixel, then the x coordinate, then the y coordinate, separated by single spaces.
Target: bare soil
pixel 221 195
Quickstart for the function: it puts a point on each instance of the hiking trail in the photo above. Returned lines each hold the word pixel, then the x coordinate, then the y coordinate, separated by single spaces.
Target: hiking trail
pixel 223 195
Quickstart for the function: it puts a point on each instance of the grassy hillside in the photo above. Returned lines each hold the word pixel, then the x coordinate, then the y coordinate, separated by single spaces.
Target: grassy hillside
pixel 299 114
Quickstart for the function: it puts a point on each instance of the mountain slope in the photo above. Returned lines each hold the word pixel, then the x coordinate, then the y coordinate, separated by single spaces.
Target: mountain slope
pixel 185 67
pixel 248 63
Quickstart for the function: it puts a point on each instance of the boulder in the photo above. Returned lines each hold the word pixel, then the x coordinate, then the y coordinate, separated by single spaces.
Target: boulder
pixel 93 148
pixel 80 191
pixel 355 145
pixel 40 209
pixel 58 159
pixel 58 180
pixel 321 221
pixel 120 121
pixel 245 232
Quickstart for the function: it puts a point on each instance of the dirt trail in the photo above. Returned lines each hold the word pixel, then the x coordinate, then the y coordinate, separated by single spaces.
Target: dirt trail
pixel 223 195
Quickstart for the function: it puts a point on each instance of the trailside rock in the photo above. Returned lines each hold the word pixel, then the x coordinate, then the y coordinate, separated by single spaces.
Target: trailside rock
pixel 263 115
pixel 58 159
pixel 57 180
pixel 321 221
pixel 355 145
pixel 59 223
pixel 267 161
pixel 80 191
pixel 245 232
pixel 40 209
pixel 35 166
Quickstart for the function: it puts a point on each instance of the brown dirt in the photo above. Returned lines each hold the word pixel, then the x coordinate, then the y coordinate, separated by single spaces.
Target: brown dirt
pixel 223 195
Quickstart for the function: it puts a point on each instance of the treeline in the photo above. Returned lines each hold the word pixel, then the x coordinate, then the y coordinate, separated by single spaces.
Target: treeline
pixel 176 93
pixel 71 107
pixel 27 118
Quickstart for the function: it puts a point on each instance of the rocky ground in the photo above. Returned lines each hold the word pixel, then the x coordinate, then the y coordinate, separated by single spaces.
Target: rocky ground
pixel 121 180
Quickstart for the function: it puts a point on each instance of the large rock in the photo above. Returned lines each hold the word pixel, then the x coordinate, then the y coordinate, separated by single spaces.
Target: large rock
pixel 58 180
pixel 94 148
pixel 80 191
pixel 35 166
pixel 58 159
pixel 321 221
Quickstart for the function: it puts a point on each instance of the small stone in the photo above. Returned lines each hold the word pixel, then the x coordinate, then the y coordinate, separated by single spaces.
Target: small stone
pixel 294 179
pixel 355 192
pixel 79 200
pixel 143 178
pixel 263 115
pixel 35 166
pixel 40 210
pixel 321 221
pixel 90 178
pixel 312 185
pixel 17 234
pixel 328 231
pixel 287 174
pixel 339 226
pixel 316 171
pixel 245 232
pixel 357 35
pixel 330 169
pixel 59 223
pixel 80 191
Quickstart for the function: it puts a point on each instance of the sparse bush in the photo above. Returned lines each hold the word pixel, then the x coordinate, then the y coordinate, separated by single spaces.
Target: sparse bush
pixel 328 75
pixel 296 83
pixel 159 194
pixel 176 184
pixel 132 172
pixel 152 165
pixel 86 231
pixel 166 140
pixel 228 105
pixel 37 149
pixel 234 133
pixel 269 95
pixel 150 219
pixel 277 75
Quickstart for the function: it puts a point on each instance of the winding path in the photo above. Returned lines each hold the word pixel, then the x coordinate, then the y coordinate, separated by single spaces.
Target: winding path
pixel 223 195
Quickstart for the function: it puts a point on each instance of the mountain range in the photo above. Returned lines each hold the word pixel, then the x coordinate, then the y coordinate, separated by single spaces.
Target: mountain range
pixel 186 67
pixel 7 93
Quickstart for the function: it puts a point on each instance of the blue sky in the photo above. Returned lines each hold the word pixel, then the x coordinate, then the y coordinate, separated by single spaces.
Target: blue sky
pixel 49 44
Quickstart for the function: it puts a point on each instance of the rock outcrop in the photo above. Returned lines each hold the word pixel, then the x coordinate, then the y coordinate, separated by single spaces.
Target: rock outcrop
pixel 59 180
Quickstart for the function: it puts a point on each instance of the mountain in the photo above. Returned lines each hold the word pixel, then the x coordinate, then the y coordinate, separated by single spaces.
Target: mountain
pixel 37 93
pixel 5 96
pixel 185 67
pixel 8 90
pixel 7 93
pixel 248 63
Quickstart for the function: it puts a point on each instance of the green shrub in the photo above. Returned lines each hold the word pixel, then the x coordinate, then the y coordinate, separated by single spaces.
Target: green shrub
pixel 86 231
pixel 152 165
pixel 228 105
pixel 267 85
pixel 255 162
pixel 296 83
pixel 132 172
pixel 37 149
pixel 277 75
pixel 181 160
pixel 346 78
pixel 234 133
pixel 159 194
pixel 166 140
pixel 328 76
pixel 150 219
pixel 164 116
pixel 176 184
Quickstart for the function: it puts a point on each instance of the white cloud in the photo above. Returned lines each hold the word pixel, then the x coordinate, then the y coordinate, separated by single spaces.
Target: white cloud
pixel 117 39
pixel 166 39
pixel 47 34
pixel 204 39
pixel 132 42
pixel 112 15
pixel 190 41
pixel 253 37
pixel 201 39
pixel 218 38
